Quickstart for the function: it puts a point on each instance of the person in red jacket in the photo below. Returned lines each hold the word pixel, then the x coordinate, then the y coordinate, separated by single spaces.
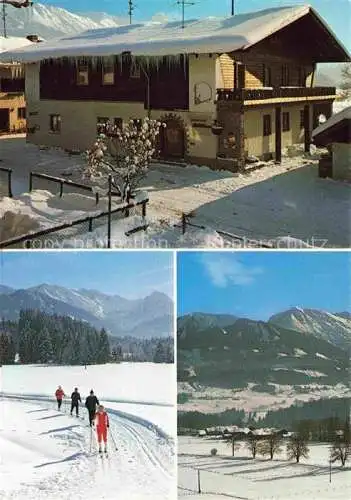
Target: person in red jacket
pixel 102 424
pixel 59 394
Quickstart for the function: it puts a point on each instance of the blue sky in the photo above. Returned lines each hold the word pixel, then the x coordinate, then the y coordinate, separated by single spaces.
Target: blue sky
pixel 129 274
pixel 336 12
pixel 259 284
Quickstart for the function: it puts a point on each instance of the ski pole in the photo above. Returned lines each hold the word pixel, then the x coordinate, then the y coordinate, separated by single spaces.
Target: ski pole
pixel 113 439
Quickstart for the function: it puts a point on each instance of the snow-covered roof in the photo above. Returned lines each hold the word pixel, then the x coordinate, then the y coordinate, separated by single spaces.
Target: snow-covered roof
pixel 345 114
pixel 159 39
pixel 12 43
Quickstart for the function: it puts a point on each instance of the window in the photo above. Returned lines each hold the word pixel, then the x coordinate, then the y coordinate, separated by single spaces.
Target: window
pixel 267 76
pixel 82 74
pixel 286 122
pixel 134 70
pixel 302 118
pixel 21 113
pixel 55 123
pixel 267 125
pixel 108 73
pixel 101 123
pixel 285 75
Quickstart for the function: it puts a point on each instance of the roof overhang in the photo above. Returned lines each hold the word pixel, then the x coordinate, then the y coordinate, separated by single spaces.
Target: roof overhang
pixel 211 35
pixel 336 129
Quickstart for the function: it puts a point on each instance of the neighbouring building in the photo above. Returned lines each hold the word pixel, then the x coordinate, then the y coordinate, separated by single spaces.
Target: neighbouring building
pixel 12 87
pixel 335 134
pixel 227 88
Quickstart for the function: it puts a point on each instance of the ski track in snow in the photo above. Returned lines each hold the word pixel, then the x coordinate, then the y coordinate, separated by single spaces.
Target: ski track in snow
pixel 142 467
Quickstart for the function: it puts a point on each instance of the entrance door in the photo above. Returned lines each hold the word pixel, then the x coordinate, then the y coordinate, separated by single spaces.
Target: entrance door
pixel 172 140
pixel 4 120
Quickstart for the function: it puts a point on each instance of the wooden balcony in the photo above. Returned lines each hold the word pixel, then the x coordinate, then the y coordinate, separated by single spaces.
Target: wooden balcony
pixel 298 93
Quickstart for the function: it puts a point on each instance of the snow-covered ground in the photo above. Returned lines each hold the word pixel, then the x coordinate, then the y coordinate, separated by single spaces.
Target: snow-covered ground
pixel 146 390
pixel 46 454
pixel 217 400
pixel 278 204
pixel 341 104
pixel 259 479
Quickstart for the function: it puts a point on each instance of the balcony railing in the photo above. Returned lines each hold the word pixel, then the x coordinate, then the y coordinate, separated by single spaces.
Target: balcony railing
pixel 273 93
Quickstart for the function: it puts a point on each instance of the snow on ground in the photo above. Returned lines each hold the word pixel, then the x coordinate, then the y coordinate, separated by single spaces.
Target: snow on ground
pixel 46 454
pixel 145 390
pixel 318 355
pixel 284 205
pixel 341 104
pixel 260 479
pixel 216 400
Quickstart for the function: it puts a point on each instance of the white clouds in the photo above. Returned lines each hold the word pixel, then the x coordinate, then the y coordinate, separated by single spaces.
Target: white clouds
pixel 225 270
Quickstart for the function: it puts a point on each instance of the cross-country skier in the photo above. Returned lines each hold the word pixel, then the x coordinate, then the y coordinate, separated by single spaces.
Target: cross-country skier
pixel 59 394
pixel 75 397
pixel 90 404
pixel 102 424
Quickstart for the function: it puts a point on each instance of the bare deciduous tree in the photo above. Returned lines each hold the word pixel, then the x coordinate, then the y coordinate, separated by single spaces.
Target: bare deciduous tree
pixel 252 444
pixel 124 152
pixel 346 81
pixel 297 448
pixel 341 448
pixel 234 444
pixel 271 445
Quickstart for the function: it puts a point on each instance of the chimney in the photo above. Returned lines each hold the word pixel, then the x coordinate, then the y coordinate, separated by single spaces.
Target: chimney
pixel 33 38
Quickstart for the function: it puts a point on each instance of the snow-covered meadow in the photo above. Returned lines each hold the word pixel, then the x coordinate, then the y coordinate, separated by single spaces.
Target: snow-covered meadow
pixel 277 204
pixel 216 400
pixel 145 390
pixel 260 479
pixel 46 454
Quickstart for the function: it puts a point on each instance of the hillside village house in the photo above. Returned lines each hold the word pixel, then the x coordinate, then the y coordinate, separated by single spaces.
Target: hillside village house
pixel 226 88
pixel 12 83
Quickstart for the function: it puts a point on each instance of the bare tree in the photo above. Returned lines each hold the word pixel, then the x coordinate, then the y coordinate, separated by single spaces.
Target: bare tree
pixel 252 444
pixel 340 451
pixel 297 447
pixel 346 81
pixel 123 151
pixel 341 448
pixel 271 445
pixel 234 444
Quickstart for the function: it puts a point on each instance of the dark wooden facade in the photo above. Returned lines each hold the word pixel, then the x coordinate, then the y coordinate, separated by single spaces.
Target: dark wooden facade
pixel 169 83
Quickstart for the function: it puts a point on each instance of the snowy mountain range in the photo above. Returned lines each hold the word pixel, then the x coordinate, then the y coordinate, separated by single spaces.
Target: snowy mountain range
pixel 48 21
pixel 248 351
pixel 151 316
pixel 331 327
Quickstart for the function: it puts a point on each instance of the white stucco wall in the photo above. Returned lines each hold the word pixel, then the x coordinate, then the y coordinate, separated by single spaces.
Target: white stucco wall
pixel 342 161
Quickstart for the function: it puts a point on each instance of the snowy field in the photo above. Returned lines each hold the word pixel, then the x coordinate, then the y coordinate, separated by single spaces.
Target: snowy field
pixel 260 479
pixel 146 390
pixel 277 204
pixel 46 454
pixel 216 400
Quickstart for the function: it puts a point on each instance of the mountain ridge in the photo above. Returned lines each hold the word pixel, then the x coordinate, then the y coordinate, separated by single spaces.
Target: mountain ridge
pixel 150 316
pixel 49 21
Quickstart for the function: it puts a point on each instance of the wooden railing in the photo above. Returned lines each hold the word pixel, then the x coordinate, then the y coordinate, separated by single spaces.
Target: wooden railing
pixel 278 92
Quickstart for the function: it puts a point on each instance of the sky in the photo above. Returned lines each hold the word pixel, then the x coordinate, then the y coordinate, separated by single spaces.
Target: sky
pixel 128 274
pixel 336 12
pixel 257 285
